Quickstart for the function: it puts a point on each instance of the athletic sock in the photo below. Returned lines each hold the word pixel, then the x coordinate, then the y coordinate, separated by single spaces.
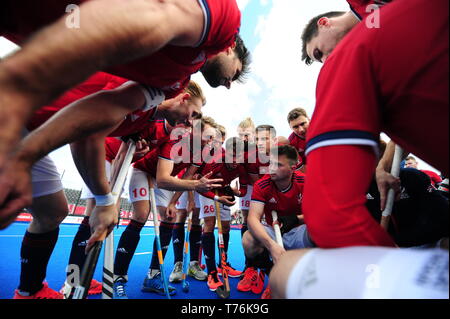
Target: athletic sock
pixel 195 241
pixel 178 234
pixel 244 228
pixel 208 240
pixel 261 261
pixel 77 254
pixel 165 235
pixel 126 247
pixel 34 256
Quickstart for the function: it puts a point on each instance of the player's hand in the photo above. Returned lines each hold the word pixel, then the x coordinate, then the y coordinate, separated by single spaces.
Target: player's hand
pixel 386 181
pixel 226 200
pixel 276 251
pixel 102 222
pixel 15 191
pixel 142 148
pixel 171 211
pixel 205 184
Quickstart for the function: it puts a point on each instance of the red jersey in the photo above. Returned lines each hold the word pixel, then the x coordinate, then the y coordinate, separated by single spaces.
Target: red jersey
pixel 149 163
pixel 375 92
pixel 221 170
pixel 435 178
pixel 257 164
pixel 364 89
pixel 168 69
pixel 284 202
pixel 97 82
pixel 112 146
pixel 361 8
pixel 300 145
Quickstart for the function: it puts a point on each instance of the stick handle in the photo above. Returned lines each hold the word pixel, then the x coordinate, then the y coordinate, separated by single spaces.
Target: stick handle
pixel 276 227
pixel 395 171
pixel 108 260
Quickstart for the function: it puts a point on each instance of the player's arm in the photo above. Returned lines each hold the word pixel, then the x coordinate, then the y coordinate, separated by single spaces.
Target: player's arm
pixel 166 181
pixel 57 58
pixel 100 112
pixel 259 233
pixel 341 200
pixel 111 32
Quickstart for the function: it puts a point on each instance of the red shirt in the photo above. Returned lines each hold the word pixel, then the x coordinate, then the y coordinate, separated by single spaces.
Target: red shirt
pixel 149 163
pixel 257 164
pixel 363 89
pixel 285 202
pixel 168 69
pixel 112 146
pixel 219 169
pixel 300 145
pixel 97 82
pixel 435 178
pixel 361 7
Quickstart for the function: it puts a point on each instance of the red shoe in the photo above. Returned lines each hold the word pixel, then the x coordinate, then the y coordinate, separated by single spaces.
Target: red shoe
pixel 258 284
pixel 44 293
pixel 246 283
pixel 214 281
pixel 233 273
pixel 95 288
pixel 266 294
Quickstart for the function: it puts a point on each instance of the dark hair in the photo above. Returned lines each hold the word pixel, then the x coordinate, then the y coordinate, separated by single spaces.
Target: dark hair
pixel 311 30
pixel 266 127
pixel 295 113
pixel 243 55
pixel 289 151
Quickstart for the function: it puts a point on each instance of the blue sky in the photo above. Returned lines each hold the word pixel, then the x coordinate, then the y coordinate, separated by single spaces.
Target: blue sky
pixel 278 82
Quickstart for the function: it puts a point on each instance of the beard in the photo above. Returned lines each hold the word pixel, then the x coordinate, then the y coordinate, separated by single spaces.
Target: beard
pixel 212 72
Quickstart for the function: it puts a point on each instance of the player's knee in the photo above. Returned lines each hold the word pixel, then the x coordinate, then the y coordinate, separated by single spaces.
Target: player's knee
pixel 210 223
pixel 249 244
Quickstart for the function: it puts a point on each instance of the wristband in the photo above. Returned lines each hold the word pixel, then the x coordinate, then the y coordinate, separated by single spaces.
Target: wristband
pixel 104 200
pixel 216 198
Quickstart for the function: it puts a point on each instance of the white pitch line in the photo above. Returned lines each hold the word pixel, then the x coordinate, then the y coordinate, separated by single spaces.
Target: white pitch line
pixel 144 253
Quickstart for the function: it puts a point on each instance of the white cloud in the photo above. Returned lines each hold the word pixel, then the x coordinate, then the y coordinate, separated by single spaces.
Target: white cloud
pixel 242 4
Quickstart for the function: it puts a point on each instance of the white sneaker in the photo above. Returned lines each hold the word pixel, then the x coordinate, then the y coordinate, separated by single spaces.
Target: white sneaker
pixel 177 272
pixel 196 271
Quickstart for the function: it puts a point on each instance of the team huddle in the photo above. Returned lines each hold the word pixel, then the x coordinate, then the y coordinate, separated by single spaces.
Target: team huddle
pixel 313 203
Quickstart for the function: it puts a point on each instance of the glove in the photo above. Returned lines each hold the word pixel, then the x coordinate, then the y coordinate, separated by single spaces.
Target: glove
pixel 288 222
pixel 229 192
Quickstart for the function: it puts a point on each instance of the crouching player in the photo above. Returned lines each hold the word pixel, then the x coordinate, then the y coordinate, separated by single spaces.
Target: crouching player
pixel 279 191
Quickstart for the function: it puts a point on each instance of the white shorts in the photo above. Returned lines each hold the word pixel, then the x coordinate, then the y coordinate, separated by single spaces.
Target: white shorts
pixel 86 192
pixel 139 189
pixel 244 202
pixel 182 201
pixel 208 209
pixel 45 179
pixel 370 273
pixel 296 238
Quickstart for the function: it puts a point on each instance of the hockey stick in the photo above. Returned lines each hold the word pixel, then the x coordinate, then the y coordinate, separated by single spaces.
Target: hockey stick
pixel 276 227
pixel 158 241
pixel 81 291
pixel 108 263
pixel 222 292
pixel 185 254
pixel 395 171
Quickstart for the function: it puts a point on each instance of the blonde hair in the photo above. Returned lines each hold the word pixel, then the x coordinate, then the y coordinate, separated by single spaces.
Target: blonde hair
pixel 247 123
pixel 222 130
pixel 195 91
